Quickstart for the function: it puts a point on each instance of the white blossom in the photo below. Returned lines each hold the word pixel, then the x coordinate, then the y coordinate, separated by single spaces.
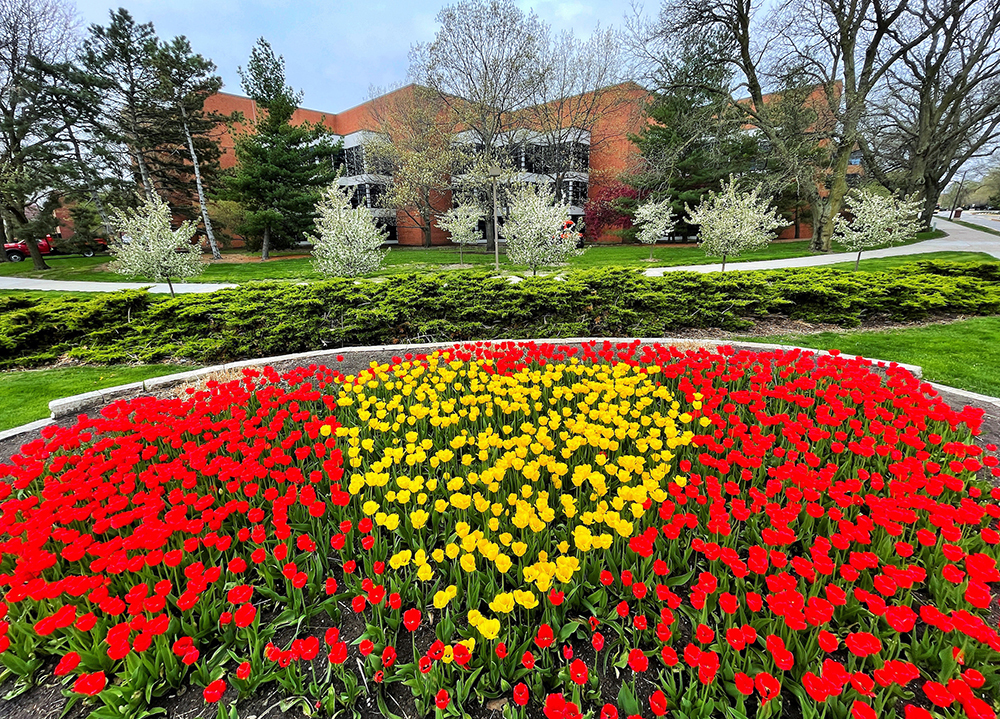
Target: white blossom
pixel 150 248
pixel 732 221
pixel 538 231
pixel 655 221
pixel 349 242
pixel 879 219
pixel 462 223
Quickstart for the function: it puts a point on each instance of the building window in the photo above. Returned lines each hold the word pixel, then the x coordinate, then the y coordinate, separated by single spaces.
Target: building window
pixel 376 194
pixel 855 158
pixel 552 159
pixel 359 196
pixel 354 160
pixel 574 192
pixel 579 156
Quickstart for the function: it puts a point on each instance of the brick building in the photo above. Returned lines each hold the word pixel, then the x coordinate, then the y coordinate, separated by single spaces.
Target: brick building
pixel 595 155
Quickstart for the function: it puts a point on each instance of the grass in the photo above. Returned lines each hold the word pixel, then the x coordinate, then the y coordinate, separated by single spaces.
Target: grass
pixel 406 260
pixel 26 394
pixel 974 226
pixel 961 354
pixel 878 264
pixel 55 294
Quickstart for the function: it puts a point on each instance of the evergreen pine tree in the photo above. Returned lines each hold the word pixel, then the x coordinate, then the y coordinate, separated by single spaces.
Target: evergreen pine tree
pixel 122 56
pixel 694 141
pixel 281 168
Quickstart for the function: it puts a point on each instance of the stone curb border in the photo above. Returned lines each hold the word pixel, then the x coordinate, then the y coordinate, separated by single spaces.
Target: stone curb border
pixel 81 403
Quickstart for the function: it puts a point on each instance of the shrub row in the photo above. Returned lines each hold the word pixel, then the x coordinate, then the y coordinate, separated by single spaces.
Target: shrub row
pixel 265 319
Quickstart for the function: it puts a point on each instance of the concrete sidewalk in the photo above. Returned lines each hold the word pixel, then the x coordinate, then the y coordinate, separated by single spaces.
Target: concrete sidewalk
pixel 25 283
pixel 959 239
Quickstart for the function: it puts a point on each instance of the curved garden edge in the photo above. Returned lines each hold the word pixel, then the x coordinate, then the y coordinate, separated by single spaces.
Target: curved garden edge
pixel 357 358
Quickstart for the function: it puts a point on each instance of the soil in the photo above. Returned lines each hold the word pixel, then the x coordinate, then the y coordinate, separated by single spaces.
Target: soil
pixel 46 700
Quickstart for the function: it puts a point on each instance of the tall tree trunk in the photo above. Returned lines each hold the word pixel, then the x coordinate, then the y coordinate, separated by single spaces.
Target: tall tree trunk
pixel 3 237
pixel 105 221
pixel 171 286
pixel 265 250
pixel 816 218
pixel 147 182
pixel 723 261
pixel 426 230
pixel 932 192
pixel 857 261
pixel 835 200
pixel 36 256
pixel 201 192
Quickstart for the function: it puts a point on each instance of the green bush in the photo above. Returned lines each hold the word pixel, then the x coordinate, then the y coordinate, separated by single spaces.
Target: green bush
pixel 260 320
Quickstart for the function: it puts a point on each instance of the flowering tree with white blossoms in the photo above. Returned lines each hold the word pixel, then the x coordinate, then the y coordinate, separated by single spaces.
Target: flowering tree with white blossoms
pixel 462 223
pixel 879 219
pixel 538 231
pixel 732 221
pixel 349 243
pixel 150 248
pixel 655 221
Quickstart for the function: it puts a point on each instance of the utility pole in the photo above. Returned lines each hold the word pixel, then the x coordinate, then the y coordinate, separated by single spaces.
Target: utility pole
pixel 958 195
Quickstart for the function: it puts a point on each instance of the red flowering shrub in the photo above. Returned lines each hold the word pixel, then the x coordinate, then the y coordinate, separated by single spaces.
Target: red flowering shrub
pixel 730 525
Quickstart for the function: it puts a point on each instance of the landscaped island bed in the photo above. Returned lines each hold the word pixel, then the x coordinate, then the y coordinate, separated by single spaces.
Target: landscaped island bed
pixel 272 318
pixel 605 529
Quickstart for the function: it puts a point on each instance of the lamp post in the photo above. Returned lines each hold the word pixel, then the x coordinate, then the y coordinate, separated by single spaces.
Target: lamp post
pixel 494 173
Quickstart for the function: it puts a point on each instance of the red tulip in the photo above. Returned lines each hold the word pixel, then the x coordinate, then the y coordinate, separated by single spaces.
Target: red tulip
pixel 597 641
pixel 67 664
pixel 411 619
pixel 658 703
pixel 214 691
pixel 521 694
pixel 637 660
pixel 90 684
pixel 441 699
pixel 461 655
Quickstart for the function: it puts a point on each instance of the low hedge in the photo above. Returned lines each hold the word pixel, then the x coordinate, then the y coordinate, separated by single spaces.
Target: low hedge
pixel 259 320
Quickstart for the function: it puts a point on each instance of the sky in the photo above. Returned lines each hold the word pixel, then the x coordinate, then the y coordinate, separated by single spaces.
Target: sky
pixel 334 51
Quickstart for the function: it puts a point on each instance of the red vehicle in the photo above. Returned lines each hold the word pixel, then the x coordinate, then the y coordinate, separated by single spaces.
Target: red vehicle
pixel 18 251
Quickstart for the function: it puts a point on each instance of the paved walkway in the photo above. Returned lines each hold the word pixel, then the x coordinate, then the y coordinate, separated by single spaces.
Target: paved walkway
pixel 25 283
pixel 959 239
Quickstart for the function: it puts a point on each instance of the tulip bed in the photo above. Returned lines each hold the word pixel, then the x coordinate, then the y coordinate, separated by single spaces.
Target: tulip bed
pixel 599 531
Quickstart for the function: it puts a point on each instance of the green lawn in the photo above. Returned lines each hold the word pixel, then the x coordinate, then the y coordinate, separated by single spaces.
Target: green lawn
pixel 960 354
pixel 25 395
pixel 887 263
pixel 405 260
